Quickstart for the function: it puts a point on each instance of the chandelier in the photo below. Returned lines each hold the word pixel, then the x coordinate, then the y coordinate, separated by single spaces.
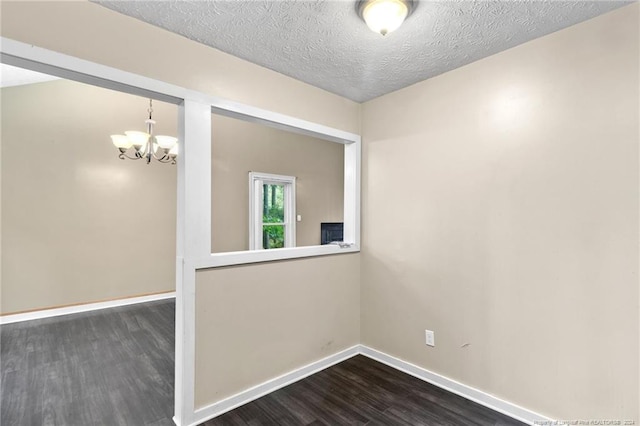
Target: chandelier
pixel 146 145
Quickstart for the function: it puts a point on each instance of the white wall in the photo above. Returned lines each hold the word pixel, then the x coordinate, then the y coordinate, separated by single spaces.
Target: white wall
pixel 125 43
pixel 254 324
pixel 512 188
pixel 240 147
pixel 80 225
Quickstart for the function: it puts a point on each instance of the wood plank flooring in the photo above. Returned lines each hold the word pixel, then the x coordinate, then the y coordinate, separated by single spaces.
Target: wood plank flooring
pixel 360 391
pixel 108 367
pixel 116 367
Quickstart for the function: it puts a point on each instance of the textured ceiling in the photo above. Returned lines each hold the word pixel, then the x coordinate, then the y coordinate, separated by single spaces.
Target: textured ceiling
pixel 324 43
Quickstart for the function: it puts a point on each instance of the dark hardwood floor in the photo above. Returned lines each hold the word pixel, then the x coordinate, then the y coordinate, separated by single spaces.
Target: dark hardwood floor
pixel 361 391
pixel 108 367
pixel 116 367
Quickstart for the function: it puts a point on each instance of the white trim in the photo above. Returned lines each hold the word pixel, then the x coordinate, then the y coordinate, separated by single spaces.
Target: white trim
pixel 42 60
pixel 210 411
pixel 181 382
pixel 281 121
pixel 218 408
pixel 35 58
pixel 271 178
pixel 496 404
pixel 352 165
pixel 194 240
pixel 480 397
pixel 215 260
pixel 193 250
pixel 75 309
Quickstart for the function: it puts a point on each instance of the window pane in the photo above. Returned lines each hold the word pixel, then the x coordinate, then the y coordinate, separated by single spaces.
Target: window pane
pixel 273 236
pixel 273 204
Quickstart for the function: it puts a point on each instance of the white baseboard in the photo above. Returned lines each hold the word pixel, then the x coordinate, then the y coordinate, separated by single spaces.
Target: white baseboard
pixel 206 413
pixel 201 415
pixel 507 408
pixel 494 403
pixel 66 310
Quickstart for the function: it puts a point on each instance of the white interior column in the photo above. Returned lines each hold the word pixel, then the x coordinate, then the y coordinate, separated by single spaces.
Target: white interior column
pixel 193 242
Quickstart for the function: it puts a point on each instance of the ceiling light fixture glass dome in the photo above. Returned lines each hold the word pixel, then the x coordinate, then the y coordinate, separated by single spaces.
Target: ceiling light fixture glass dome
pixel 384 16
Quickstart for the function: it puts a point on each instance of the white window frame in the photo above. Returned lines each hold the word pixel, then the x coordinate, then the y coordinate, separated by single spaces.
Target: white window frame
pixel 257 180
pixel 193 228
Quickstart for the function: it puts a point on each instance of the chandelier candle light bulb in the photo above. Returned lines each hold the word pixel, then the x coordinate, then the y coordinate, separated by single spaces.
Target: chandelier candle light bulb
pixel 146 145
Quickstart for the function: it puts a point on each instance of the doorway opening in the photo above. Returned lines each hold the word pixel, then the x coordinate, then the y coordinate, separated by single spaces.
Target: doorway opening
pixel 83 229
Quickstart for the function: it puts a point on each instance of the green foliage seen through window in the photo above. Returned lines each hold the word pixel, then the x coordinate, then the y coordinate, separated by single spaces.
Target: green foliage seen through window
pixel 273 216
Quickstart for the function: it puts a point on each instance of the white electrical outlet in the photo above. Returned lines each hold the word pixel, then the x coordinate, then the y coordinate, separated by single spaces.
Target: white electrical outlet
pixel 430 338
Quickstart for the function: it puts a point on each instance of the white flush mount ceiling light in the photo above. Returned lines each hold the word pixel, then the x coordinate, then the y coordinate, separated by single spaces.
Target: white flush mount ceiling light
pixel 384 16
pixel 145 145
